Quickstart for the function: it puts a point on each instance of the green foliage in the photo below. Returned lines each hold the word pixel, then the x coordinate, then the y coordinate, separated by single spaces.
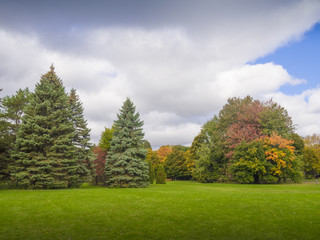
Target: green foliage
pixel 105 139
pixel 45 154
pixel 180 148
pixel 311 159
pixel 146 144
pixel 275 118
pixel 151 172
pixel 161 175
pixel 210 164
pixel 125 164
pixel 81 139
pixel 176 165
pixel 11 112
pixel 153 163
pixel 250 165
pixel 298 143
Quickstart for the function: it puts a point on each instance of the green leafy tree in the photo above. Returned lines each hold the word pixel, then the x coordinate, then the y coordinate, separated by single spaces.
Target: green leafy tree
pixel 125 164
pixel 153 162
pixel 81 139
pixel 45 154
pixel 275 119
pixel 105 139
pixel 250 165
pixel 311 159
pixel 161 175
pixel 210 164
pixel 176 165
pixel 298 143
pixel 146 144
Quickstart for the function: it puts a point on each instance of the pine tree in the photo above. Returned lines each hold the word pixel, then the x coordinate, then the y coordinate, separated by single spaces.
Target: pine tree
pixel 161 175
pixel 81 139
pixel 125 164
pixel 45 154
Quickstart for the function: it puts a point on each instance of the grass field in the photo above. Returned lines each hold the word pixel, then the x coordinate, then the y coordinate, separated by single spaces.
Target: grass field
pixel 177 210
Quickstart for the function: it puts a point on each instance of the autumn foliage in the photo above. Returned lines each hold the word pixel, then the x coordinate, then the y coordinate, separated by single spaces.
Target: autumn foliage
pixel 250 141
pixel 163 151
pixel 100 163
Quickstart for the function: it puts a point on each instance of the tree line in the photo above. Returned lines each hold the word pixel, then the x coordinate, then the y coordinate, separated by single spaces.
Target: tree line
pixel 45 143
pixel 249 141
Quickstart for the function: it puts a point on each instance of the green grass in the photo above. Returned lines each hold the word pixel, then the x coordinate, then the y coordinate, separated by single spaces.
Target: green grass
pixel 177 210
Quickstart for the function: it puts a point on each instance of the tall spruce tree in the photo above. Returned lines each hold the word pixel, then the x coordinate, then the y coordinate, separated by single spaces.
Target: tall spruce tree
pixel 81 139
pixel 45 154
pixel 125 164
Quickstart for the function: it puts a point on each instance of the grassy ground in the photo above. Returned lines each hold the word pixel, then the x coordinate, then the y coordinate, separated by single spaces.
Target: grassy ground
pixel 177 210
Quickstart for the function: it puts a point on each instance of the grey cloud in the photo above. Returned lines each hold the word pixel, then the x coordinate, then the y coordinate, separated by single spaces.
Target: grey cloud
pixel 175 59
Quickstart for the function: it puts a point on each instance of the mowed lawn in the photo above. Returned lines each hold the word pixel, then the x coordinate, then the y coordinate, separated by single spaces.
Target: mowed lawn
pixel 176 210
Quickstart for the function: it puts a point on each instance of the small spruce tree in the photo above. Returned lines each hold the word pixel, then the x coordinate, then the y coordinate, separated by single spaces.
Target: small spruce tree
pixel 45 154
pixel 125 163
pixel 161 175
pixel 81 139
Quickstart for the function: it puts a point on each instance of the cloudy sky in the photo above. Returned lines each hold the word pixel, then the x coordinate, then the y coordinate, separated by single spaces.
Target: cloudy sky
pixel 179 61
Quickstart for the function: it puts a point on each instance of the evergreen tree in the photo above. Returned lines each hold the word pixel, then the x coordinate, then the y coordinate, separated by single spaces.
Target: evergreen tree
pixel 125 164
pixel 10 119
pixel 5 140
pixel 161 175
pixel 151 172
pixel 81 139
pixel 45 154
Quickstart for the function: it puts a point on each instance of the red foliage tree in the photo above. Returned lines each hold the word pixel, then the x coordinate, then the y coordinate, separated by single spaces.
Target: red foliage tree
pixel 100 163
pixel 246 126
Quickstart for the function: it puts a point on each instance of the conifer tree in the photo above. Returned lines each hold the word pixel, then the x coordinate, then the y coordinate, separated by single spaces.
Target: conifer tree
pixel 125 164
pixel 161 175
pixel 45 154
pixel 11 112
pixel 81 139
pixel 151 172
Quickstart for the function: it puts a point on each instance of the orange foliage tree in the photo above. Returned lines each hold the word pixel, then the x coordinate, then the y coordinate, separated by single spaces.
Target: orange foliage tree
pixel 280 152
pixel 163 151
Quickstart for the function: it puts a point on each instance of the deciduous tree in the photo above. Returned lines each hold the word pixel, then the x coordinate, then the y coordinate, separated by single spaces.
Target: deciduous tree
pixel 99 164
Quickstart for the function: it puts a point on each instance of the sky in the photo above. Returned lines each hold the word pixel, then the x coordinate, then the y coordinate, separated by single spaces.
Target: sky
pixel 179 60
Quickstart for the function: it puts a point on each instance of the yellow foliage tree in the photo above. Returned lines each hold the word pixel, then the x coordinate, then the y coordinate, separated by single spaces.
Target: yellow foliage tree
pixel 280 152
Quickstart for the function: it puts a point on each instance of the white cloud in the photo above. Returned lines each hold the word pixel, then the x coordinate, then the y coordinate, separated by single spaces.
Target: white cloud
pixel 304 109
pixel 255 80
